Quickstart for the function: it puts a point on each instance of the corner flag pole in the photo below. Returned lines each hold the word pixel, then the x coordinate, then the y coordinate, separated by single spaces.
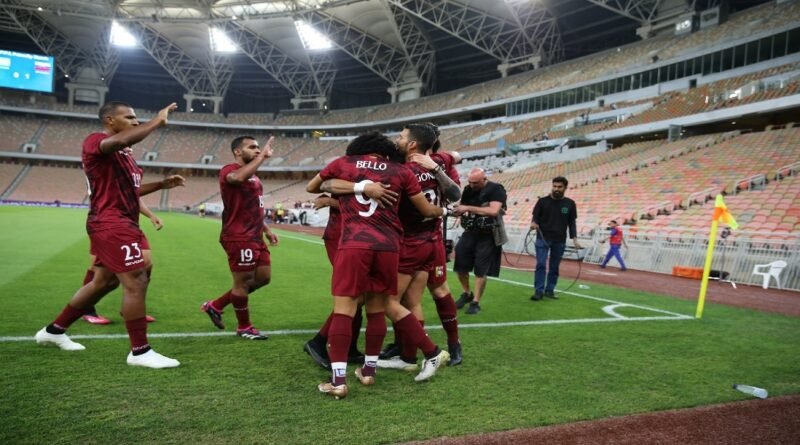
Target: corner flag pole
pixel 720 214
pixel 712 238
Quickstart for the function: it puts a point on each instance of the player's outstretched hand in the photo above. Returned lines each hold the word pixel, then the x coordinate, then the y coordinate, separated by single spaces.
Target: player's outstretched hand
pixel 424 161
pixel 272 238
pixel 163 115
pixel 173 181
pixel 381 193
pixel 157 222
pixel 266 150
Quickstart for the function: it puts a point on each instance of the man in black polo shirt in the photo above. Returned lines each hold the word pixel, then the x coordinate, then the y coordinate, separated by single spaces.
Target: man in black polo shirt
pixel 483 204
pixel 552 216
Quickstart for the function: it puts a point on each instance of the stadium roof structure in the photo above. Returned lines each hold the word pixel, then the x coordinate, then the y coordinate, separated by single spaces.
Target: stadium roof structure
pixel 428 46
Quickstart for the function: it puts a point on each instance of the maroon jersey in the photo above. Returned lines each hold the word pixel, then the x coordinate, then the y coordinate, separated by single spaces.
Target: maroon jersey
pixel 243 207
pixel 365 224
pixel 114 181
pixel 417 228
pixel 334 228
pixel 447 161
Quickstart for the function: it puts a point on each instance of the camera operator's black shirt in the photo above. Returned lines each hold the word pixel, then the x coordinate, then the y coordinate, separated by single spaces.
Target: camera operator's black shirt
pixel 554 216
pixel 492 191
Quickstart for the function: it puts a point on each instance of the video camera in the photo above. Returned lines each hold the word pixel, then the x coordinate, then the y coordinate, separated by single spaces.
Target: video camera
pixel 478 223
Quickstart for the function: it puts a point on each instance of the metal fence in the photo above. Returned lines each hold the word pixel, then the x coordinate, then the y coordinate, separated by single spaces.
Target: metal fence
pixel 737 254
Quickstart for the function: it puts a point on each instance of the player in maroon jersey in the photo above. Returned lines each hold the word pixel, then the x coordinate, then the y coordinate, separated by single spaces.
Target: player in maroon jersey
pixel 243 232
pixel 315 347
pixel 415 140
pixel 367 261
pixel 90 313
pixel 421 235
pixel 113 226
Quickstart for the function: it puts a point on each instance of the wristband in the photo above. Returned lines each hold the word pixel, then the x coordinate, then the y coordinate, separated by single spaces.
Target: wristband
pixel 358 188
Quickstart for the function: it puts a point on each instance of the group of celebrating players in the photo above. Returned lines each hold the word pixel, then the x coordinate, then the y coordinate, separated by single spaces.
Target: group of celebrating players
pixel 384 239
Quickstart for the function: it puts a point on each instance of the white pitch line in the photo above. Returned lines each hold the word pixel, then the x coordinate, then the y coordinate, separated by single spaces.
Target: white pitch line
pixel 673 316
pixel 314 331
pixel 519 283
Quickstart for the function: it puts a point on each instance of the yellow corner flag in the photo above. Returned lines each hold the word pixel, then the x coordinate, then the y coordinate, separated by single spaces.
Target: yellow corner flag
pixel 721 214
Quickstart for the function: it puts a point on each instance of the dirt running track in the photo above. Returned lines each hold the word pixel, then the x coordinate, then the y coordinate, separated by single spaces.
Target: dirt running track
pixel 770 421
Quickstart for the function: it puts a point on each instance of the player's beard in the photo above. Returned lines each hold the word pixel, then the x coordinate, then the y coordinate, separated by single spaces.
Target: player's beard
pixel 558 195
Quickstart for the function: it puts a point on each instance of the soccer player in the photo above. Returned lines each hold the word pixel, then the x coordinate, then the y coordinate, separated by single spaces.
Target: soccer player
pixel 243 232
pixel 367 261
pixel 316 346
pixel 90 313
pixel 422 241
pixel 117 241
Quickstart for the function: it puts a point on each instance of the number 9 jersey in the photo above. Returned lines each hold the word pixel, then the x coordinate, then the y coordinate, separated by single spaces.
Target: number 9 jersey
pixel 365 224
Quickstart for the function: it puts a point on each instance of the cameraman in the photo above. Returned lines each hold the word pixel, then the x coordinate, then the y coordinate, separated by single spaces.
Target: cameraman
pixel 483 204
pixel 552 216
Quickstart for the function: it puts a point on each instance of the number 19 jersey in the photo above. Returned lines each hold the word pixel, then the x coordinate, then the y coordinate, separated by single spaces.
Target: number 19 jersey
pixel 365 224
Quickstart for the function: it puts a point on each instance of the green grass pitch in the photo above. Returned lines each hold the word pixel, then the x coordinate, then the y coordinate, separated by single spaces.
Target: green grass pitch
pixel 525 364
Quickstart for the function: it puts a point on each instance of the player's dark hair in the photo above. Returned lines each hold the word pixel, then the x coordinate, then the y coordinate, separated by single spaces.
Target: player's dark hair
pixel 422 134
pixel 238 141
pixel 109 108
pixel 437 144
pixel 373 142
pixel 561 180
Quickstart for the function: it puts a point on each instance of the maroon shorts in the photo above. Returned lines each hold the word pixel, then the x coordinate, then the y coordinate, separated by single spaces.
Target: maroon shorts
pixel 332 246
pixel 416 258
pixel 245 256
pixel 356 271
pixel 437 274
pixel 119 250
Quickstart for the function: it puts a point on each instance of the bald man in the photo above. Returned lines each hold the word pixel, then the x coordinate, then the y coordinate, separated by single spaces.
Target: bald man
pixel 482 206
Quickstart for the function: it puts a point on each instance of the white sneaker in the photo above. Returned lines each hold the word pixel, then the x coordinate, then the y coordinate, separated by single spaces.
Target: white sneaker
pixel 152 359
pixel 429 366
pixel 61 340
pixel 397 363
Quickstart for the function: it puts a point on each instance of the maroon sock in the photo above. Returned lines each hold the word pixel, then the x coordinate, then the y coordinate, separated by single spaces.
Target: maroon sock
pixel 137 332
pixel 409 348
pixel 412 332
pixel 242 311
pixel 446 308
pixel 339 341
pixel 220 303
pixel 358 320
pixel 67 316
pixel 376 332
pixel 323 331
pixel 396 334
pixel 88 277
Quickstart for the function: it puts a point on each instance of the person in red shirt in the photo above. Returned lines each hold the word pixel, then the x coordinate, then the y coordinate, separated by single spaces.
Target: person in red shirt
pixel 367 261
pixel 115 181
pixel 616 239
pixel 243 232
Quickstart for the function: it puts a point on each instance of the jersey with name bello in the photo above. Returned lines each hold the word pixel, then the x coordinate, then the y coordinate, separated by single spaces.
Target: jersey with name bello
pixel 365 224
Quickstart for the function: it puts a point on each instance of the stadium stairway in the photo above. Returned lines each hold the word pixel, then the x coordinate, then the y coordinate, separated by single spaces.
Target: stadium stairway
pixel 16 182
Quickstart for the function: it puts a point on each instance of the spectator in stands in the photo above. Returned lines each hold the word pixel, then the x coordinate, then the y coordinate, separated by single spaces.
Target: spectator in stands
pixel 201 210
pixel 552 216
pixel 482 206
pixel 616 239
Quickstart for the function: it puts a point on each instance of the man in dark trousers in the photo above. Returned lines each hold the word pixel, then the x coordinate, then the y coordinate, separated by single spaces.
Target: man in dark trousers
pixel 552 216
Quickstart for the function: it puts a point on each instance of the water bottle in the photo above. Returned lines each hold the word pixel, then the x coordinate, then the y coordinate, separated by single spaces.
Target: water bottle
pixel 761 393
pixel 583 286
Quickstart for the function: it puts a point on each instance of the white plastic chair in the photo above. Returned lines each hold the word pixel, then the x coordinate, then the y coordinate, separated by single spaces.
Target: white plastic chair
pixel 773 269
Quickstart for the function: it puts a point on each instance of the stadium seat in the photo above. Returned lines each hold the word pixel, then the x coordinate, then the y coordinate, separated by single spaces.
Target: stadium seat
pixel 772 269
